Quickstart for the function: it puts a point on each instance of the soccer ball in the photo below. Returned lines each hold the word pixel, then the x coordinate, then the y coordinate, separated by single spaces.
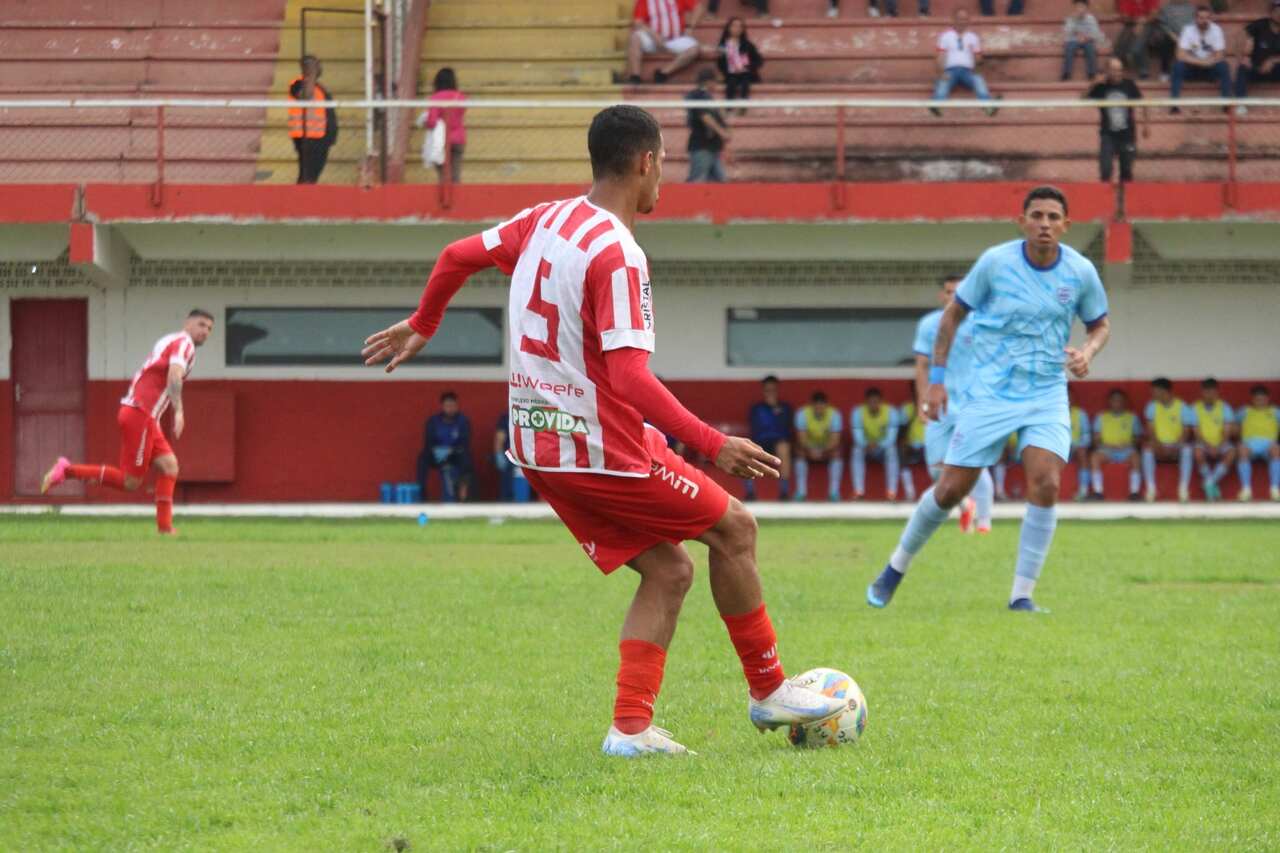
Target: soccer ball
pixel 847 727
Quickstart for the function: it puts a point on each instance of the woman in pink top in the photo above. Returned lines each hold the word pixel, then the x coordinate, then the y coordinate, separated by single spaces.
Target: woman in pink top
pixel 446 89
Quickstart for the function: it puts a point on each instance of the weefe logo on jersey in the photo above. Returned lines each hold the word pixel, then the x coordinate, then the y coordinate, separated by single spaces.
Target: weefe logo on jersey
pixel 548 420
pixel 683 485
pixel 519 380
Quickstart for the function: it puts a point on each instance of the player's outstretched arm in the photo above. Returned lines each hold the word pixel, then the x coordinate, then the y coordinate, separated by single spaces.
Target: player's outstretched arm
pixel 401 342
pixel 936 398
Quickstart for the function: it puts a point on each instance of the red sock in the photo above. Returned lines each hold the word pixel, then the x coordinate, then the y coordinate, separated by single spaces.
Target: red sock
pixel 164 502
pixel 757 645
pixel 103 475
pixel 639 680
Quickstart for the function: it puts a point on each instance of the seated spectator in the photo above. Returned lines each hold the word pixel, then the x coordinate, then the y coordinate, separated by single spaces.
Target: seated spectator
pixel 1260 59
pixel 875 437
pixel 818 430
pixel 1174 16
pixel 911 440
pixel 1116 433
pixel 1117 136
pixel 1259 427
pixel 446 444
pixel 988 7
pixel 1212 423
pixel 445 88
pixel 667 25
pixel 771 427
pixel 707 134
pixel 738 61
pixel 1080 33
pixel 1081 440
pixel 891 8
pixel 1137 29
pixel 761 6
pixel 1167 438
pixel 959 51
pixel 1201 56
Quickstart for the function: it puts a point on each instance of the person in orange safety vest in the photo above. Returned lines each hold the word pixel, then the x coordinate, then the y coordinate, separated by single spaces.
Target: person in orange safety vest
pixel 312 128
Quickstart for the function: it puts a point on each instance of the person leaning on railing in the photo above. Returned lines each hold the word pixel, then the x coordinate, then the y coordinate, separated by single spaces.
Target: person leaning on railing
pixel 1260 59
pixel 313 129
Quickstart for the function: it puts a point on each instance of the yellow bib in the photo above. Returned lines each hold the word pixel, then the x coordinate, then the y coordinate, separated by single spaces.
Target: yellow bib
pixel 875 424
pixel 1117 430
pixel 1077 424
pixel 1260 423
pixel 915 428
pixel 1168 422
pixel 1211 422
pixel 817 429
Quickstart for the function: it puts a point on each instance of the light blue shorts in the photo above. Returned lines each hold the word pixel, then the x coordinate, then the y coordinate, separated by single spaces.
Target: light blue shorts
pixel 982 429
pixel 1117 454
pixel 937 435
pixel 1258 448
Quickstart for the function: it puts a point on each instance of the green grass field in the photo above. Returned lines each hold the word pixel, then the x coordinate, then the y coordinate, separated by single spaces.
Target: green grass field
pixel 275 685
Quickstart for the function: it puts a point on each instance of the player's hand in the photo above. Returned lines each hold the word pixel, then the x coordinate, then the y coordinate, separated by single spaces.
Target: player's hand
pixel 398 343
pixel 743 458
pixel 1078 362
pixel 179 423
pixel 935 403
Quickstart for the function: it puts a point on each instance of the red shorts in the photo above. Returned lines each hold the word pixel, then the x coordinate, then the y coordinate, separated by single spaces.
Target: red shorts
pixel 616 518
pixel 141 440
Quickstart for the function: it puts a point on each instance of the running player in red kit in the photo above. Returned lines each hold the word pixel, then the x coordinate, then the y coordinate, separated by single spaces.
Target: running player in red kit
pixel 580 391
pixel 156 386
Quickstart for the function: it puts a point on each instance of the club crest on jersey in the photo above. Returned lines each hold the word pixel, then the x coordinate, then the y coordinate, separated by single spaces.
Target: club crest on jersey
pixel 1064 295
pixel 542 419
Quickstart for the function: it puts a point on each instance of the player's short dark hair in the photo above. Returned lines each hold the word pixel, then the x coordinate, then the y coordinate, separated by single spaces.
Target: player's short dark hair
pixel 448 395
pixel 1045 192
pixel 445 79
pixel 1203 8
pixel 1162 383
pixel 1115 391
pixel 617 135
pixel 1209 383
pixel 200 312
pixel 873 391
pixel 1259 389
pixel 768 379
pixel 818 397
pixel 942 282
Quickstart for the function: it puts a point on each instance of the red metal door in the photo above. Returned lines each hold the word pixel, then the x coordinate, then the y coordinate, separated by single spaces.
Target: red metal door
pixel 49 371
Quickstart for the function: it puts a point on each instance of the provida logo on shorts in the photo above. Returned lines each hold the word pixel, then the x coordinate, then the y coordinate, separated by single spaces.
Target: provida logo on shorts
pixel 547 419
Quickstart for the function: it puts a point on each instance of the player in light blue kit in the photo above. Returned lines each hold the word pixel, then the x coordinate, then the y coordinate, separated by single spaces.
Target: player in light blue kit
pixel 975 510
pixel 1023 297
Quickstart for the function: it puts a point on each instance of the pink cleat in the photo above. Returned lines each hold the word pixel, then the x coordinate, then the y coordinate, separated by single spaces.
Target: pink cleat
pixel 56 476
pixel 968 509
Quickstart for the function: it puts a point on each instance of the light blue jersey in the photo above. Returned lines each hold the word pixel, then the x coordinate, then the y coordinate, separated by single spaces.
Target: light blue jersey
pixel 1016 381
pixel 1022 317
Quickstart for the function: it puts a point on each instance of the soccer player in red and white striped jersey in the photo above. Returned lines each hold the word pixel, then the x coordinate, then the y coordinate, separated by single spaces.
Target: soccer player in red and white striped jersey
pixel 155 388
pixel 580 392
pixel 663 25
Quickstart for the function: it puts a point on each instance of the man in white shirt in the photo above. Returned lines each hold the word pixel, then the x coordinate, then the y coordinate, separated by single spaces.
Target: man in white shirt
pixel 959 51
pixel 1201 55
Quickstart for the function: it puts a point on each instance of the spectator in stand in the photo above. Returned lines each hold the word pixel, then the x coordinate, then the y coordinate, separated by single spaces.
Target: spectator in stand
pixel 911 441
pixel 707 134
pixel 761 6
pixel 446 444
pixel 988 7
pixel 1081 440
pixel 1117 137
pixel 738 60
pixel 663 25
pixel 875 437
pixel 1167 438
pixel 1116 432
pixel 1201 56
pixel 1259 428
pixel 512 485
pixel 818 430
pixel 891 8
pixel 445 88
pixel 1137 29
pixel 959 52
pixel 771 427
pixel 1080 33
pixel 313 129
pixel 1260 59
pixel 1213 423
pixel 1174 16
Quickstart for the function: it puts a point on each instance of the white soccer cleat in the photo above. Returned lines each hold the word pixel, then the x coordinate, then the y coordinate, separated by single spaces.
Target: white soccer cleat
pixel 792 705
pixel 651 741
pixel 1184 494
pixel 1245 494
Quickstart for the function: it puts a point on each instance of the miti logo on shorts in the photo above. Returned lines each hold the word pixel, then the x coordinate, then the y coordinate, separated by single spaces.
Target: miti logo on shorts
pixel 544 419
pixel 683 485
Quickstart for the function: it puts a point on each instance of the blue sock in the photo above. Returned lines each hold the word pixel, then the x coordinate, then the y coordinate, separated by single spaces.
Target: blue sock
pixel 1149 468
pixel 984 495
pixel 1184 466
pixel 1001 470
pixel 859 470
pixel 1082 480
pixel 1097 481
pixel 925 519
pixel 1135 481
pixel 1219 471
pixel 891 470
pixel 1273 467
pixel 802 478
pixel 836 470
pixel 1244 470
pixel 1033 547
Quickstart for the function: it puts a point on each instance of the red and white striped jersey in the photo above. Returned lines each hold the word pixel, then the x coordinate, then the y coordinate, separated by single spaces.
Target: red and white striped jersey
pixel 149 390
pixel 666 17
pixel 579 288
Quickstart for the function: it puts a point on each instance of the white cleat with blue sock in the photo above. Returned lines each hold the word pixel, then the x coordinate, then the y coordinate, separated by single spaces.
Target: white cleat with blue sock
pixel 651 741
pixel 792 705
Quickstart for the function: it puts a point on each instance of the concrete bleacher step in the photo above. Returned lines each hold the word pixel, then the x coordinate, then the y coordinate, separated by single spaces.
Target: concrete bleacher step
pixel 856 10
pixel 468 13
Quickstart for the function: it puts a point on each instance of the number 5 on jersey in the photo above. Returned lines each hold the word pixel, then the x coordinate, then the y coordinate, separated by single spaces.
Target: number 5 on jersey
pixel 548 349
